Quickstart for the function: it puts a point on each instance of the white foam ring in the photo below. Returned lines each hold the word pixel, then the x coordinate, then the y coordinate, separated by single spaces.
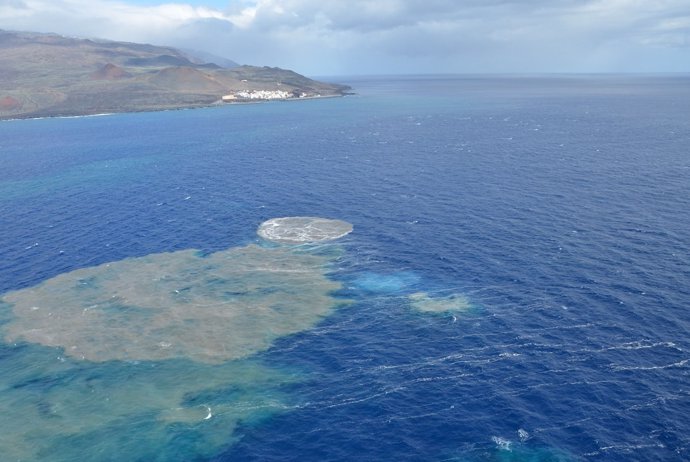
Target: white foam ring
pixel 301 230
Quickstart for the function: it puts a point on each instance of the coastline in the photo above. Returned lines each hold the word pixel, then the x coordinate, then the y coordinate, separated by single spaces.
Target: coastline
pixel 178 108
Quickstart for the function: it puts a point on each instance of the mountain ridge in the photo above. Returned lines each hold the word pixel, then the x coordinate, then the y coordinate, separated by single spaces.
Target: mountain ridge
pixel 53 75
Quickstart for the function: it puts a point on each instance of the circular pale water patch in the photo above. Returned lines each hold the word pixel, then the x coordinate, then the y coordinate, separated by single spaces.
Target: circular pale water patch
pixel 301 230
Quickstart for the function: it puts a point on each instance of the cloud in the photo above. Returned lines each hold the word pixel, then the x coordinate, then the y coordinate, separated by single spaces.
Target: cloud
pixel 101 17
pixel 384 36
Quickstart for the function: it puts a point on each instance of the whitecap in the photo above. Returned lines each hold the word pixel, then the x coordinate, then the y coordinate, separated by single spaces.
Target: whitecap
pixel 523 434
pixel 502 443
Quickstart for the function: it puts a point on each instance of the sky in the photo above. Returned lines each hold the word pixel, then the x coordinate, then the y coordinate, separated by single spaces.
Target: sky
pixel 367 37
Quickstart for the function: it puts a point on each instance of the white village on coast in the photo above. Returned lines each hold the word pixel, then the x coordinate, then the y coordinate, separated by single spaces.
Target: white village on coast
pixel 261 95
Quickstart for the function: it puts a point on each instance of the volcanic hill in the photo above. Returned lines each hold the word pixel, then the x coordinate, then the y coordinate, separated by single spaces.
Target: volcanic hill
pixel 51 75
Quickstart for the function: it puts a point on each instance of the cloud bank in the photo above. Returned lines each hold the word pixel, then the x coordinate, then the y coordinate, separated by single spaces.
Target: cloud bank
pixel 322 37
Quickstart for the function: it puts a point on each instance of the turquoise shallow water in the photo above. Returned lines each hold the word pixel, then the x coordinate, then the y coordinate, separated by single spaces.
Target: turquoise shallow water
pixel 557 208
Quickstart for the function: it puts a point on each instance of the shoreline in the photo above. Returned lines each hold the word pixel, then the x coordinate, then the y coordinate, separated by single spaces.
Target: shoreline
pixel 180 108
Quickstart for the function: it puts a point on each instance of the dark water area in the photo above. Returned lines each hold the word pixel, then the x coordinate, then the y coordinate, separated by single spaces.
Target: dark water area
pixel 558 207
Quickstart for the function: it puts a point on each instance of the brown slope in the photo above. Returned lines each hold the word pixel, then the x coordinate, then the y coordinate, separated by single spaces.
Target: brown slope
pixel 110 72
pixel 186 79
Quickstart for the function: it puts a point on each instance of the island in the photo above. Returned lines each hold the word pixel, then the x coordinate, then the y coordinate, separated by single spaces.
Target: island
pixel 48 75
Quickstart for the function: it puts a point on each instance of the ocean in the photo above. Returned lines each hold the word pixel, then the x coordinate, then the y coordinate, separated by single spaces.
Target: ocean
pixel 516 286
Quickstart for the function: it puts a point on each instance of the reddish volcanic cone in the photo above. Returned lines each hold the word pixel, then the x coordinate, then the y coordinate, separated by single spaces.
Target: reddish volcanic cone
pixel 110 72
pixel 7 103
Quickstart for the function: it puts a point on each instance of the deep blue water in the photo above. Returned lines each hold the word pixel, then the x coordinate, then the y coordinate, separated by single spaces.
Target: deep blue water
pixel 559 206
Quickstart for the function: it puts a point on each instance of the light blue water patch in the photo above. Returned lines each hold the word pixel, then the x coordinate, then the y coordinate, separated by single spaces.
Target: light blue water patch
pixel 392 283
pixel 104 172
pixel 62 410
pixel 507 451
